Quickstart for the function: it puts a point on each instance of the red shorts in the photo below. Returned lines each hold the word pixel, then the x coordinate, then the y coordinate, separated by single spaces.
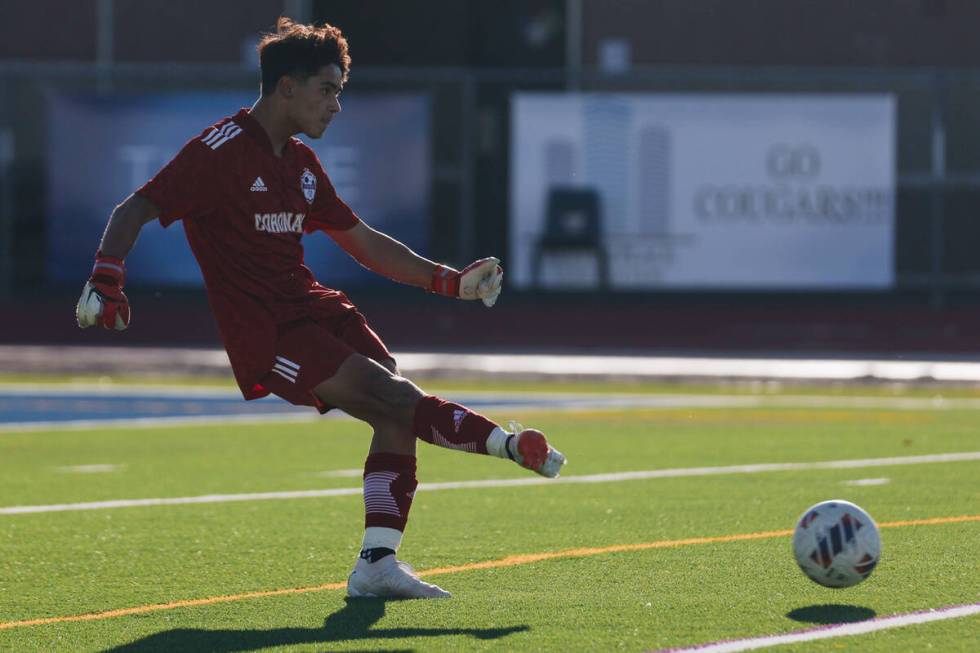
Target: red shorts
pixel 310 351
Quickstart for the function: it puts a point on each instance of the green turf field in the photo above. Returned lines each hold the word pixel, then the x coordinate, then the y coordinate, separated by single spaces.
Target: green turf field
pixel 693 583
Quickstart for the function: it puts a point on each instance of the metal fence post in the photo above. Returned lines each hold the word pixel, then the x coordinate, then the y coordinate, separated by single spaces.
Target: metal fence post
pixel 6 210
pixel 105 41
pixel 467 184
pixel 573 45
pixel 937 209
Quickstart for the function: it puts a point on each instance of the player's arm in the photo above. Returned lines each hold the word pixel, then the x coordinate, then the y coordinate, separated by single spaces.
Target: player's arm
pixel 388 257
pixel 103 301
pixel 125 224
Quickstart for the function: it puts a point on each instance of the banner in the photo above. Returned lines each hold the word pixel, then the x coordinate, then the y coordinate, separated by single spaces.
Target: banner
pixel 103 147
pixel 711 192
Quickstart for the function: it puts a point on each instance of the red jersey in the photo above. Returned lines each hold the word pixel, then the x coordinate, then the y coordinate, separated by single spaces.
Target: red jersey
pixel 245 211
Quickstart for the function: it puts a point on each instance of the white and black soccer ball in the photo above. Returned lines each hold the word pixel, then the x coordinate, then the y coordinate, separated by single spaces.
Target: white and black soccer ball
pixel 836 543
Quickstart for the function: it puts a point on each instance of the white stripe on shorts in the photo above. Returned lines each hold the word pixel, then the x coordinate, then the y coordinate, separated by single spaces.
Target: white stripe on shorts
pixel 287 362
pixel 288 378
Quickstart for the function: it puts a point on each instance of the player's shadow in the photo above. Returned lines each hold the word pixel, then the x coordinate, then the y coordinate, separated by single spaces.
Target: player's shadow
pixel 351 623
pixel 831 614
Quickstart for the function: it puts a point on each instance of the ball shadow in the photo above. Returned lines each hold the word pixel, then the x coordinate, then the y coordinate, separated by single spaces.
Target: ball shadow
pixel 831 614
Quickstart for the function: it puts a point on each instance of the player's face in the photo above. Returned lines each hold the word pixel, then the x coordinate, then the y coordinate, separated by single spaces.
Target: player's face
pixel 316 101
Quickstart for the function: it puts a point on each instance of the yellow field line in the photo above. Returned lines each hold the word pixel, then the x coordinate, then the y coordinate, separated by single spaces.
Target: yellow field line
pixel 156 607
pixel 509 561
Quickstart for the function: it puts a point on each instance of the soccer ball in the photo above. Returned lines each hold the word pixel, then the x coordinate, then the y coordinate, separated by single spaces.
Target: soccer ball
pixel 836 544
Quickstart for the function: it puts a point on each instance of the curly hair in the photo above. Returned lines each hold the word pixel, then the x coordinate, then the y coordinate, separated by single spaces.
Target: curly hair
pixel 300 50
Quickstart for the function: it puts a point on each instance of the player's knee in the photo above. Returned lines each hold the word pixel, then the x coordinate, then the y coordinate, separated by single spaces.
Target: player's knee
pixel 371 391
pixel 397 394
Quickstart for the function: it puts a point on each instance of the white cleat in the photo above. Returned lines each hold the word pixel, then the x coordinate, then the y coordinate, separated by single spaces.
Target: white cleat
pixel 390 578
pixel 530 449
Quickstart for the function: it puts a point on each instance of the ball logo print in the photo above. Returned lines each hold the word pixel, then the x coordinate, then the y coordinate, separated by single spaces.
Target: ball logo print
pixel 836 544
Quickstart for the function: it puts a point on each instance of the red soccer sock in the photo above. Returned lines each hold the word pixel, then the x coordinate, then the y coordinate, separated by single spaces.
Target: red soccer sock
pixel 389 487
pixel 450 425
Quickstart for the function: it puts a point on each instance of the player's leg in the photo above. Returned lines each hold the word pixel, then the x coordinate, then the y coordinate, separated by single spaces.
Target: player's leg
pixel 399 411
pixel 435 420
pixel 307 352
pixel 373 391
pixel 369 391
pixel 455 426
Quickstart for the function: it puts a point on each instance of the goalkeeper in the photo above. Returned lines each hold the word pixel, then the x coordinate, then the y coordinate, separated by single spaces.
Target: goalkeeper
pixel 247 191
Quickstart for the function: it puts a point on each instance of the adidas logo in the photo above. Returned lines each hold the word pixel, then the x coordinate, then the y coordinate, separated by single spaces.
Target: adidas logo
pixel 458 416
pixel 258 186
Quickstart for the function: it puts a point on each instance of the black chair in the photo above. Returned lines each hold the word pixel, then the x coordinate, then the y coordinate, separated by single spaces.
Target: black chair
pixel 574 224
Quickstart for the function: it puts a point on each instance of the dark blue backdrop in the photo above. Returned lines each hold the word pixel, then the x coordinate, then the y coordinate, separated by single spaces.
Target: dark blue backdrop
pixel 103 147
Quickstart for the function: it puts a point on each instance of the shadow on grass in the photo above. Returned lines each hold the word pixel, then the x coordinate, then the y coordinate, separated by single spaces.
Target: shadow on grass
pixel 350 623
pixel 831 614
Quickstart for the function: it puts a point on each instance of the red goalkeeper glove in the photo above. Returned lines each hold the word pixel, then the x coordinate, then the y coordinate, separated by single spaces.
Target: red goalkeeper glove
pixel 103 300
pixel 479 280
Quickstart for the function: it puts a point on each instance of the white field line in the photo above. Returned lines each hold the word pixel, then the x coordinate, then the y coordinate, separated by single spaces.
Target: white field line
pixel 117 390
pixel 354 472
pixel 591 398
pixel 548 401
pixel 161 422
pixel 90 469
pixel 497 483
pixel 22 357
pixel 835 630
pixel 861 482
pixel 542 401
pixel 668 366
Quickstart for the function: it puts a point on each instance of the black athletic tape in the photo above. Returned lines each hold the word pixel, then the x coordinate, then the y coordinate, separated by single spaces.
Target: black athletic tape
pixel 507 446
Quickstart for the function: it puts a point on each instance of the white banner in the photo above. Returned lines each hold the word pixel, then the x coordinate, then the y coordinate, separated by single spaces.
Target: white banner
pixel 704 191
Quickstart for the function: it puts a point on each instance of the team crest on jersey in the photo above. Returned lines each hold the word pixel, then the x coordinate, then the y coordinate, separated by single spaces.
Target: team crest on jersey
pixel 307 182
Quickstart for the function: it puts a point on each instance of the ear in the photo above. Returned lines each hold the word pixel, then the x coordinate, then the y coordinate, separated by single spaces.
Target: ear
pixel 286 86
